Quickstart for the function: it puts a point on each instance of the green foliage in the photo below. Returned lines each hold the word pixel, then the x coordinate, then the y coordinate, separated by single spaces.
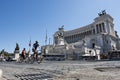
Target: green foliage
pixel 6 53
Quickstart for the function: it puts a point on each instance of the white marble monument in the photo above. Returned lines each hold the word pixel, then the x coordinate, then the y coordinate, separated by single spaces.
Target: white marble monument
pixel 100 33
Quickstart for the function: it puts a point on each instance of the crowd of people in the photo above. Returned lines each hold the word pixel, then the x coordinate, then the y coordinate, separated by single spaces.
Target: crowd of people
pixel 24 54
pixel 35 47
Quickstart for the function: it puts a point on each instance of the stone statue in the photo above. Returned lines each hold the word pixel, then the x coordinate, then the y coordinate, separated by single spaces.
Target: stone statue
pixel 116 34
pixel 84 43
pixel 60 34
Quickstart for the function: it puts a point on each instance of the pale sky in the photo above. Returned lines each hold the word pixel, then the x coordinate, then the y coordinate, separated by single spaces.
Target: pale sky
pixel 22 20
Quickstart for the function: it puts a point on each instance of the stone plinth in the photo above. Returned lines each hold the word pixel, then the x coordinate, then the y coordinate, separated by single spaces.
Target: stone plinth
pixel 1 74
pixel 17 54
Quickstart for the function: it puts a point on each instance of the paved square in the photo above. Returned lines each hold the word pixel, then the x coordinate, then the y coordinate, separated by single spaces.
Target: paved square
pixel 61 70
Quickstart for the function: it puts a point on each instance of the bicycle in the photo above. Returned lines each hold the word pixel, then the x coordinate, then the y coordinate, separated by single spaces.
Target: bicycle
pixel 36 58
pixel 21 59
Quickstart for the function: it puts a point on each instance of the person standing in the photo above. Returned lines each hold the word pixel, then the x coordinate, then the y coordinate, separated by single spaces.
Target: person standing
pixel 24 53
pixel 34 49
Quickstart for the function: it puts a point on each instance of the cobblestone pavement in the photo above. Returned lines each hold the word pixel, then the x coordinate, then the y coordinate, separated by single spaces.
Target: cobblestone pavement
pixel 61 70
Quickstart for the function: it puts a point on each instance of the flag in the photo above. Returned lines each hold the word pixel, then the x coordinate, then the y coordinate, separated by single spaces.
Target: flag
pixel 30 43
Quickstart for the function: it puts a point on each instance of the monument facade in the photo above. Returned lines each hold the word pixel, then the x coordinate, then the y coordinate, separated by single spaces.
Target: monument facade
pixel 95 39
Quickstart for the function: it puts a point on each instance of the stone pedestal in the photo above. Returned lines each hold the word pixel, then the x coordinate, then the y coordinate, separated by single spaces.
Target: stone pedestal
pixel 46 51
pixel 98 56
pixel 17 54
pixel 97 50
pixel 61 41
pixel 1 73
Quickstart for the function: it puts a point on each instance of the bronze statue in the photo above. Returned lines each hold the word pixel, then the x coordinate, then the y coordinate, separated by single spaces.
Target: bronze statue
pixel 103 12
pixel 62 28
pixel 17 47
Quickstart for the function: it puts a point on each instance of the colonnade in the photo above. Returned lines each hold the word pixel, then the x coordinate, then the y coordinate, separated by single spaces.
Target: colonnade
pixel 78 36
pixel 74 37
pixel 100 28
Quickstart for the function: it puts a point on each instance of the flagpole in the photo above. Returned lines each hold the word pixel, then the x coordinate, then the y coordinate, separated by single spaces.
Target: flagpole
pixel 45 42
pixel 46 38
pixel 30 45
pixel 49 41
